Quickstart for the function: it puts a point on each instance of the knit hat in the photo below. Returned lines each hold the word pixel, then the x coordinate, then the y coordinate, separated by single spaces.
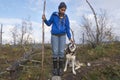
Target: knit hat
pixel 62 5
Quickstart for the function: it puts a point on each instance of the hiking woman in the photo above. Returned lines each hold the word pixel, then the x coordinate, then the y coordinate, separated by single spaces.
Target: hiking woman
pixel 60 28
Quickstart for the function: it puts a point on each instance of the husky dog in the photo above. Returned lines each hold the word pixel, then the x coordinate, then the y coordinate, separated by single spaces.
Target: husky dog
pixel 71 58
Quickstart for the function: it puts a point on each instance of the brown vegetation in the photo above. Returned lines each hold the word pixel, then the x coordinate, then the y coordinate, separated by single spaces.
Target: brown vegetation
pixel 104 59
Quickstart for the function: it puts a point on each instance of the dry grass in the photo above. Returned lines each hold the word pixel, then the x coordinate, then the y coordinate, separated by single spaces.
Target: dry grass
pixel 107 56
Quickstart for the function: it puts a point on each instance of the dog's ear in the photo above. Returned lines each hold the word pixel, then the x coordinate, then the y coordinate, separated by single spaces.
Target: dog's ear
pixel 66 50
pixel 68 44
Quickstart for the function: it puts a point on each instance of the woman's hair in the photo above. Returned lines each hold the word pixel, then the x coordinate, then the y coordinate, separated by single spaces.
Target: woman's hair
pixel 62 5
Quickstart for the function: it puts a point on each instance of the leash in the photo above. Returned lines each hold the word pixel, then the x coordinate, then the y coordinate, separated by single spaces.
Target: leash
pixel 70 29
pixel 72 35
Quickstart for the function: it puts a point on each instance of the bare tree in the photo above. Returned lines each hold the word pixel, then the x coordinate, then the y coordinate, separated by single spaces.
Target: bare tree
pixel 26 32
pixel 96 21
pixel 28 38
pixel 1 32
pixel 23 31
pixel 14 35
pixel 105 29
pixel 98 32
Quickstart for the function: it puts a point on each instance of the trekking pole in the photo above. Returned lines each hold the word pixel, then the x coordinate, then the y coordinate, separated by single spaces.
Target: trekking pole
pixel 42 66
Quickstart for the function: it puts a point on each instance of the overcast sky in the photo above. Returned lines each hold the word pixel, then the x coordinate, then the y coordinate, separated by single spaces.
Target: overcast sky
pixel 12 12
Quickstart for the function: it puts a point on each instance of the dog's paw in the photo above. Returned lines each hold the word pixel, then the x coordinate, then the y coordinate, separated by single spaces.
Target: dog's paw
pixel 65 70
pixel 74 72
pixel 77 67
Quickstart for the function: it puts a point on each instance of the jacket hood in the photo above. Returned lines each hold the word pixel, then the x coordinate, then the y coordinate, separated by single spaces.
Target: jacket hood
pixel 57 14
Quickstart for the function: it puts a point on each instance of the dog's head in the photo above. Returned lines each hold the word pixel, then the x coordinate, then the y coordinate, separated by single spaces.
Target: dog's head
pixel 71 48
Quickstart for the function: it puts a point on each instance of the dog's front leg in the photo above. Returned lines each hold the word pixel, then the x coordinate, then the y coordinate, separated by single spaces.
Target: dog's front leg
pixel 65 69
pixel 73 65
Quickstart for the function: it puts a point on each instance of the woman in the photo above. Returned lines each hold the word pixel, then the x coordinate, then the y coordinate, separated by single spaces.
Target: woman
pixel 60 27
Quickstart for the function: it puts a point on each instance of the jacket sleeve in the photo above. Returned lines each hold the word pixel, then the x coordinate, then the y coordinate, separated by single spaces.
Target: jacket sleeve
pixel 50 21
pixel 67 24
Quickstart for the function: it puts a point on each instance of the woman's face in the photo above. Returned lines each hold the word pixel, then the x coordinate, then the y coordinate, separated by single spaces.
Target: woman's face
pixel 62 10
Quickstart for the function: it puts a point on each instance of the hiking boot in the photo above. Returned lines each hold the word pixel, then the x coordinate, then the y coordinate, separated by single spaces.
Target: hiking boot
pixel 60 69
pixel 55 70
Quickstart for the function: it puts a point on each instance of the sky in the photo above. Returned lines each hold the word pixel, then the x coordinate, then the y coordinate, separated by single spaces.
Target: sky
pixel 13 12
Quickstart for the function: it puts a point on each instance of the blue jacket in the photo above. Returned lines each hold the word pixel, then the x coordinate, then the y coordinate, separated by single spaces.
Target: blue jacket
pixel 59 26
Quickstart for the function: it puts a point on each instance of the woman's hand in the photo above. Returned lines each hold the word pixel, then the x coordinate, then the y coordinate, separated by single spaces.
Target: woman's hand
pixel 71 40
pixel 43 17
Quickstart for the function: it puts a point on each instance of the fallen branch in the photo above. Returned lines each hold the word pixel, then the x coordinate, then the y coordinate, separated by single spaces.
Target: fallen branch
pixel 29 66
pixel 3 72
pixel 15 68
